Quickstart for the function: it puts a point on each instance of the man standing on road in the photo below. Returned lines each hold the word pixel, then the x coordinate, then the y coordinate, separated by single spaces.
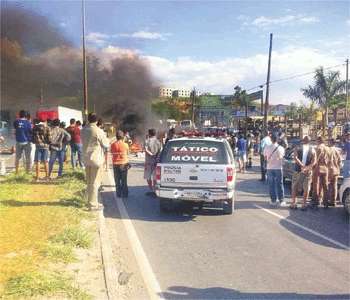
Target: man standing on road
pixel 266 141
pixel 119 151
pixel 152 150
pixel 94 144
pixel 274 154
pixel 346 150
pixel 242 153
pixel 305 159
pixel 333 172
pixel 23 129
pixel 320 174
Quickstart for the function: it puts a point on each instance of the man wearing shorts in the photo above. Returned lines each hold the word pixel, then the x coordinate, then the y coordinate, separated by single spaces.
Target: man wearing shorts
pixel 152 149
pixel 305 159
pixel 42 140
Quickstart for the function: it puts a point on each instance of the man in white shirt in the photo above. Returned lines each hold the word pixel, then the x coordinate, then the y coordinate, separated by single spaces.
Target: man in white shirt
pixel 274 154
pixel 264 142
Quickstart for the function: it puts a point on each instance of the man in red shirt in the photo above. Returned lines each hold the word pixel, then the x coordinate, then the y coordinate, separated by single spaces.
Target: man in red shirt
pixel 120 151
pixel 76 147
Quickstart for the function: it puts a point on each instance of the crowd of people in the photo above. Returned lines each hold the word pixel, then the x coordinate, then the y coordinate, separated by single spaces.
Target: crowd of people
pixel 316 169
pixel 46 141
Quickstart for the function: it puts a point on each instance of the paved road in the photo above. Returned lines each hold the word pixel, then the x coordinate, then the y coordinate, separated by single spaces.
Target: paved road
pixel 252 254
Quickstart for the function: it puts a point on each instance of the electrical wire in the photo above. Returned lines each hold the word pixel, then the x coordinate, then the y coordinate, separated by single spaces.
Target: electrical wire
pixel 292 77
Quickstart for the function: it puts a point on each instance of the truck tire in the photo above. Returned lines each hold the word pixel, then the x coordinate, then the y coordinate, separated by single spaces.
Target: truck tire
pixel 228 207
pixel 165 205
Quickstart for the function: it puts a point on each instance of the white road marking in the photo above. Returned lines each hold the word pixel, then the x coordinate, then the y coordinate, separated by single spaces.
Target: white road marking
pixel 153 287
pixel 304 228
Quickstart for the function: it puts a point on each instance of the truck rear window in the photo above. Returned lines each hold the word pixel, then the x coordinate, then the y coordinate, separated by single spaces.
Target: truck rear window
pixel 193 151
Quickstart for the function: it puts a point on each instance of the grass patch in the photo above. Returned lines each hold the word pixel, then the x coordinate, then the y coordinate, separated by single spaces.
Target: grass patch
pixel 39 284
pixel 59 252
pixel 74 236
pixel 42 225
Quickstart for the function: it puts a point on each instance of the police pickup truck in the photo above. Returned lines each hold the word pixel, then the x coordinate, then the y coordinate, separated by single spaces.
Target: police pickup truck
pixel 198 170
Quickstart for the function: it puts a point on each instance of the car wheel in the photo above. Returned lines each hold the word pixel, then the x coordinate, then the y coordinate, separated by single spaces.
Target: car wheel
pixel 165 205
pixel 228 206
pixel 347 202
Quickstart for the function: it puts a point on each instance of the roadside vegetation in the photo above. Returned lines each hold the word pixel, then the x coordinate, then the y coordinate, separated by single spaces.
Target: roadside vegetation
pixel 40 227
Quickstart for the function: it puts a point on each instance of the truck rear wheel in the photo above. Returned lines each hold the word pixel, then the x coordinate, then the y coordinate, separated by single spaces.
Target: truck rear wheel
pixel 165 205
pixel 228 206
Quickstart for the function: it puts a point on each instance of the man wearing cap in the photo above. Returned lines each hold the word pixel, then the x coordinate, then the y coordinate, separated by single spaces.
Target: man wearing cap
pixel 305 159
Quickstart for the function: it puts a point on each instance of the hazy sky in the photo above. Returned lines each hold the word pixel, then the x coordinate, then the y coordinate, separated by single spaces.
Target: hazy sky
pixel 215 45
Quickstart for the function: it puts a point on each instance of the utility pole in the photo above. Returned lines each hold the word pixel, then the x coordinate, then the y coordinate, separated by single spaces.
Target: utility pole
pixel 41 96
pixel 193 100
pixel 268 85
pixel 85 84
pixel 347 90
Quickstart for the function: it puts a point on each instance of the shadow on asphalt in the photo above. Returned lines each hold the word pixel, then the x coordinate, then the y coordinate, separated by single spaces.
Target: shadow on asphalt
pixel 183 292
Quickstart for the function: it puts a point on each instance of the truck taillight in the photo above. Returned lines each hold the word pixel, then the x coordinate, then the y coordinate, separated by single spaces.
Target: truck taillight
pixel 158 172
pixel 229 172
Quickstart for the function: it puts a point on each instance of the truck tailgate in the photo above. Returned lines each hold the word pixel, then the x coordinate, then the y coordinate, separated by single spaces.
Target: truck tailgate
pixel 193 175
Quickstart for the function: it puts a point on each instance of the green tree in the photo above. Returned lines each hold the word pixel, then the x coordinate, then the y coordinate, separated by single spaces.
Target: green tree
pixel 324 89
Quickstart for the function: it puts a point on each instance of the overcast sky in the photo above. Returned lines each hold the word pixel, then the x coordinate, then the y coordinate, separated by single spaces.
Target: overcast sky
pixel 214 45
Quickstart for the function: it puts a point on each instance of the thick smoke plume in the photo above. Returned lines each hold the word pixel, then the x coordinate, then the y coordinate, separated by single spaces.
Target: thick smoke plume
pixel 36 57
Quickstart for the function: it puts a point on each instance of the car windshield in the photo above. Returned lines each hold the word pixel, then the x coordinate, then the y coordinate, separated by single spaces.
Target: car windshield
pixel 194 151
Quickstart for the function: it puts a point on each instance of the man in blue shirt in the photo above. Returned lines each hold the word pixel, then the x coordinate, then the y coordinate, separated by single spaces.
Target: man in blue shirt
pixel 242 153
pixel 23 140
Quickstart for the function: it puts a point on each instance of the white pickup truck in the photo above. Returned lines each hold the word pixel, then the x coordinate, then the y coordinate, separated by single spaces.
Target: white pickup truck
pixel 199 170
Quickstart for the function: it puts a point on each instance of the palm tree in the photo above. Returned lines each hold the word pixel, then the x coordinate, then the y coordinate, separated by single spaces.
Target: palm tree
pixel 325 88
pixel 242 99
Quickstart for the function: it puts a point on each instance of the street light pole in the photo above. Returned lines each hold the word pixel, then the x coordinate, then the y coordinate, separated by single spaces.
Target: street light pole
pixel 85 84
pixel 268 85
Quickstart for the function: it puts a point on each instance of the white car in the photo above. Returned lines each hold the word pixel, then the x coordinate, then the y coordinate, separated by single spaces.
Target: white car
pixel 344 194
pixel 196 170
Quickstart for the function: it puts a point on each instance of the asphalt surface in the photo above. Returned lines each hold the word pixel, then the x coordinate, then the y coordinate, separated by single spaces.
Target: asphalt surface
pixel 251 254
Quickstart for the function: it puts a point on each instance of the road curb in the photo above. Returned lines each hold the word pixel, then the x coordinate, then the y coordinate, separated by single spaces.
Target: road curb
pixel 109 269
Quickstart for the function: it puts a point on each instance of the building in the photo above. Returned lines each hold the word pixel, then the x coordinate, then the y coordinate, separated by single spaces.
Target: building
pixel 181 93
pixel 279 109
pixel 165 92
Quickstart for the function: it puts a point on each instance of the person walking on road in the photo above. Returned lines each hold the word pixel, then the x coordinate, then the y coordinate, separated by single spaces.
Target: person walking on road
pixel 320 174
pixel 75 143
pixel 333 173
pixel 120 151
pixel 346 151
pixel 23 129
pixel 59 136
pixel 274 154
pixel 305 159
pixel 42 140
pixel 242 153
pixel 94 143
pixel 152 149
pixel 266 141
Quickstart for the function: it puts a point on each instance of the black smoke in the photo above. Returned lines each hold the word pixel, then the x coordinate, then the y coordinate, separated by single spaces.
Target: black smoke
pixel 35 57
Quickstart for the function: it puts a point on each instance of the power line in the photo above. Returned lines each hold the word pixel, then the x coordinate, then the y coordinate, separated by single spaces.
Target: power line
pixel 292 77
